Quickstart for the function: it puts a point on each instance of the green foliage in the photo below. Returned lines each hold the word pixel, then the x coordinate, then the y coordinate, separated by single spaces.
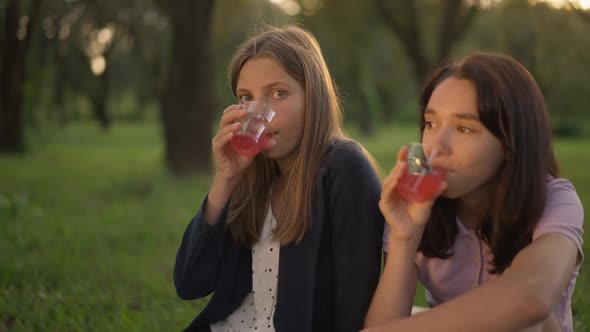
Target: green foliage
pixel 90 223
pixel 567 130
pixel 550 43
pixel 368 61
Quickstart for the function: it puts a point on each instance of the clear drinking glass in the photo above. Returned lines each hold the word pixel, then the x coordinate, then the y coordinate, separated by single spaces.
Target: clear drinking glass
pixel 254 131
pixel 420 183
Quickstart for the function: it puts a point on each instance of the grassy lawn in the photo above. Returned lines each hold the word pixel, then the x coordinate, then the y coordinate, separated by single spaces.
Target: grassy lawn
pixel 90 224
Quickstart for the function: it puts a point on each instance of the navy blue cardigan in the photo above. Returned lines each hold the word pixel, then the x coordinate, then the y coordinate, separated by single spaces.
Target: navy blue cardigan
pixel 325 282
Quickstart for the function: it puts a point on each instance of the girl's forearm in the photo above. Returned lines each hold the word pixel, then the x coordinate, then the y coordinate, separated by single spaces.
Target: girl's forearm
pixel 500 305
pixel 523 296
pixel 397 287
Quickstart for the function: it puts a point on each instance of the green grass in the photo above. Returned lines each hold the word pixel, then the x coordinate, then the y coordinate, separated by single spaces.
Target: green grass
pixel 90 224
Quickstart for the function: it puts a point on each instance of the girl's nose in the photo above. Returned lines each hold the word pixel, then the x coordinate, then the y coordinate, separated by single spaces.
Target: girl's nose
pixel 438 144
pixel 437 149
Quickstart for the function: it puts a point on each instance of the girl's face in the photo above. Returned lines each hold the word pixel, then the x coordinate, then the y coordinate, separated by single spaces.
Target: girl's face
pixel 263 79
pixel 469 153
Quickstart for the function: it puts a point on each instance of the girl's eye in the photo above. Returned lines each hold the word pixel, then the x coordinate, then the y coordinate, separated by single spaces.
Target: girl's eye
pixel 245 98
pixel 429 124
pixel 464 130
pixel 279 94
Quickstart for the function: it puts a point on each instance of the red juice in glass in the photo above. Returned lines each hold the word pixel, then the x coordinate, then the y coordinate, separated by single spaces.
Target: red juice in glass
pixel 419 187
pixel 255 129
pixel 420 182
pixel 246 144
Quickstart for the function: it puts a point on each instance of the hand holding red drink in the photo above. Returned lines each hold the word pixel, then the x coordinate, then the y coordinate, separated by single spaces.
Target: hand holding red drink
pixel 420 182
pixel 409 192
pixel 254 131
pixel 228 163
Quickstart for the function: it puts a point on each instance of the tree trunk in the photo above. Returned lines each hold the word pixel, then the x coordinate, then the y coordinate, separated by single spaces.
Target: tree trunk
pixel 11 118
pixel 59 85
pixel 12 75
pixel 101 95
pixel 57 110
pixel 456 17
pixel 99 103
pixel 407 29
pixel 188 99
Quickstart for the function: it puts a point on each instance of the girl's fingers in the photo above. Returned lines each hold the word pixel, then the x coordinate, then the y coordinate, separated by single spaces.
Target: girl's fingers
pixel 392 175
pixel 219 141
pixel 392 180
pixel 232 108
pixel 401 168
pixel 397 172
pixel 402 154
pixel 230 116
pixel 231 128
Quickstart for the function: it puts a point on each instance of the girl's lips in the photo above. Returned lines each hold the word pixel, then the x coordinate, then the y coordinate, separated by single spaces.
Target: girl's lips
pixel 438 170
pixel 442 169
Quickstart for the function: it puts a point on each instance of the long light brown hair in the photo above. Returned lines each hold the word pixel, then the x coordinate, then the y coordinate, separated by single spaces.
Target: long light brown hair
pixel 511 106
pixel 299 53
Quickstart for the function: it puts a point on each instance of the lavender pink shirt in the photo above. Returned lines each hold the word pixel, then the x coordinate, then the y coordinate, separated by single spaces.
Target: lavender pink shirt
pixel 468 268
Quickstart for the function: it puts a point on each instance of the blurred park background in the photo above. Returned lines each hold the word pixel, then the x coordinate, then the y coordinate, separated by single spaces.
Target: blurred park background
pixel 107 109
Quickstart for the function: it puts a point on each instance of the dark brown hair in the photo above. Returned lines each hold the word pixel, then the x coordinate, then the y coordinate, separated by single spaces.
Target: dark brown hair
pixel 511 106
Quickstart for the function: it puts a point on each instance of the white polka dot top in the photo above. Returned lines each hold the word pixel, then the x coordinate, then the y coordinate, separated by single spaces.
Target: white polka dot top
pixel 257 309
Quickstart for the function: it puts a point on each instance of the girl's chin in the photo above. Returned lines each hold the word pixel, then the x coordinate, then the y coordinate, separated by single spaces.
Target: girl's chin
pixel 269 153
pixel 449 193
pixel 279 154
pixel 272 154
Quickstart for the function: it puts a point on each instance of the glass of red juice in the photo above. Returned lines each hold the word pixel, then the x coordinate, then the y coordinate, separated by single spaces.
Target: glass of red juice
pixel 250 139
pixel 420 183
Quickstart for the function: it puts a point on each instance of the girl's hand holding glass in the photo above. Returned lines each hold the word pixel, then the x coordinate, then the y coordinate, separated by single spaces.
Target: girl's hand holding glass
pixel 255 129
pixel 409 192
pixel 229 164
pixel 421 181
